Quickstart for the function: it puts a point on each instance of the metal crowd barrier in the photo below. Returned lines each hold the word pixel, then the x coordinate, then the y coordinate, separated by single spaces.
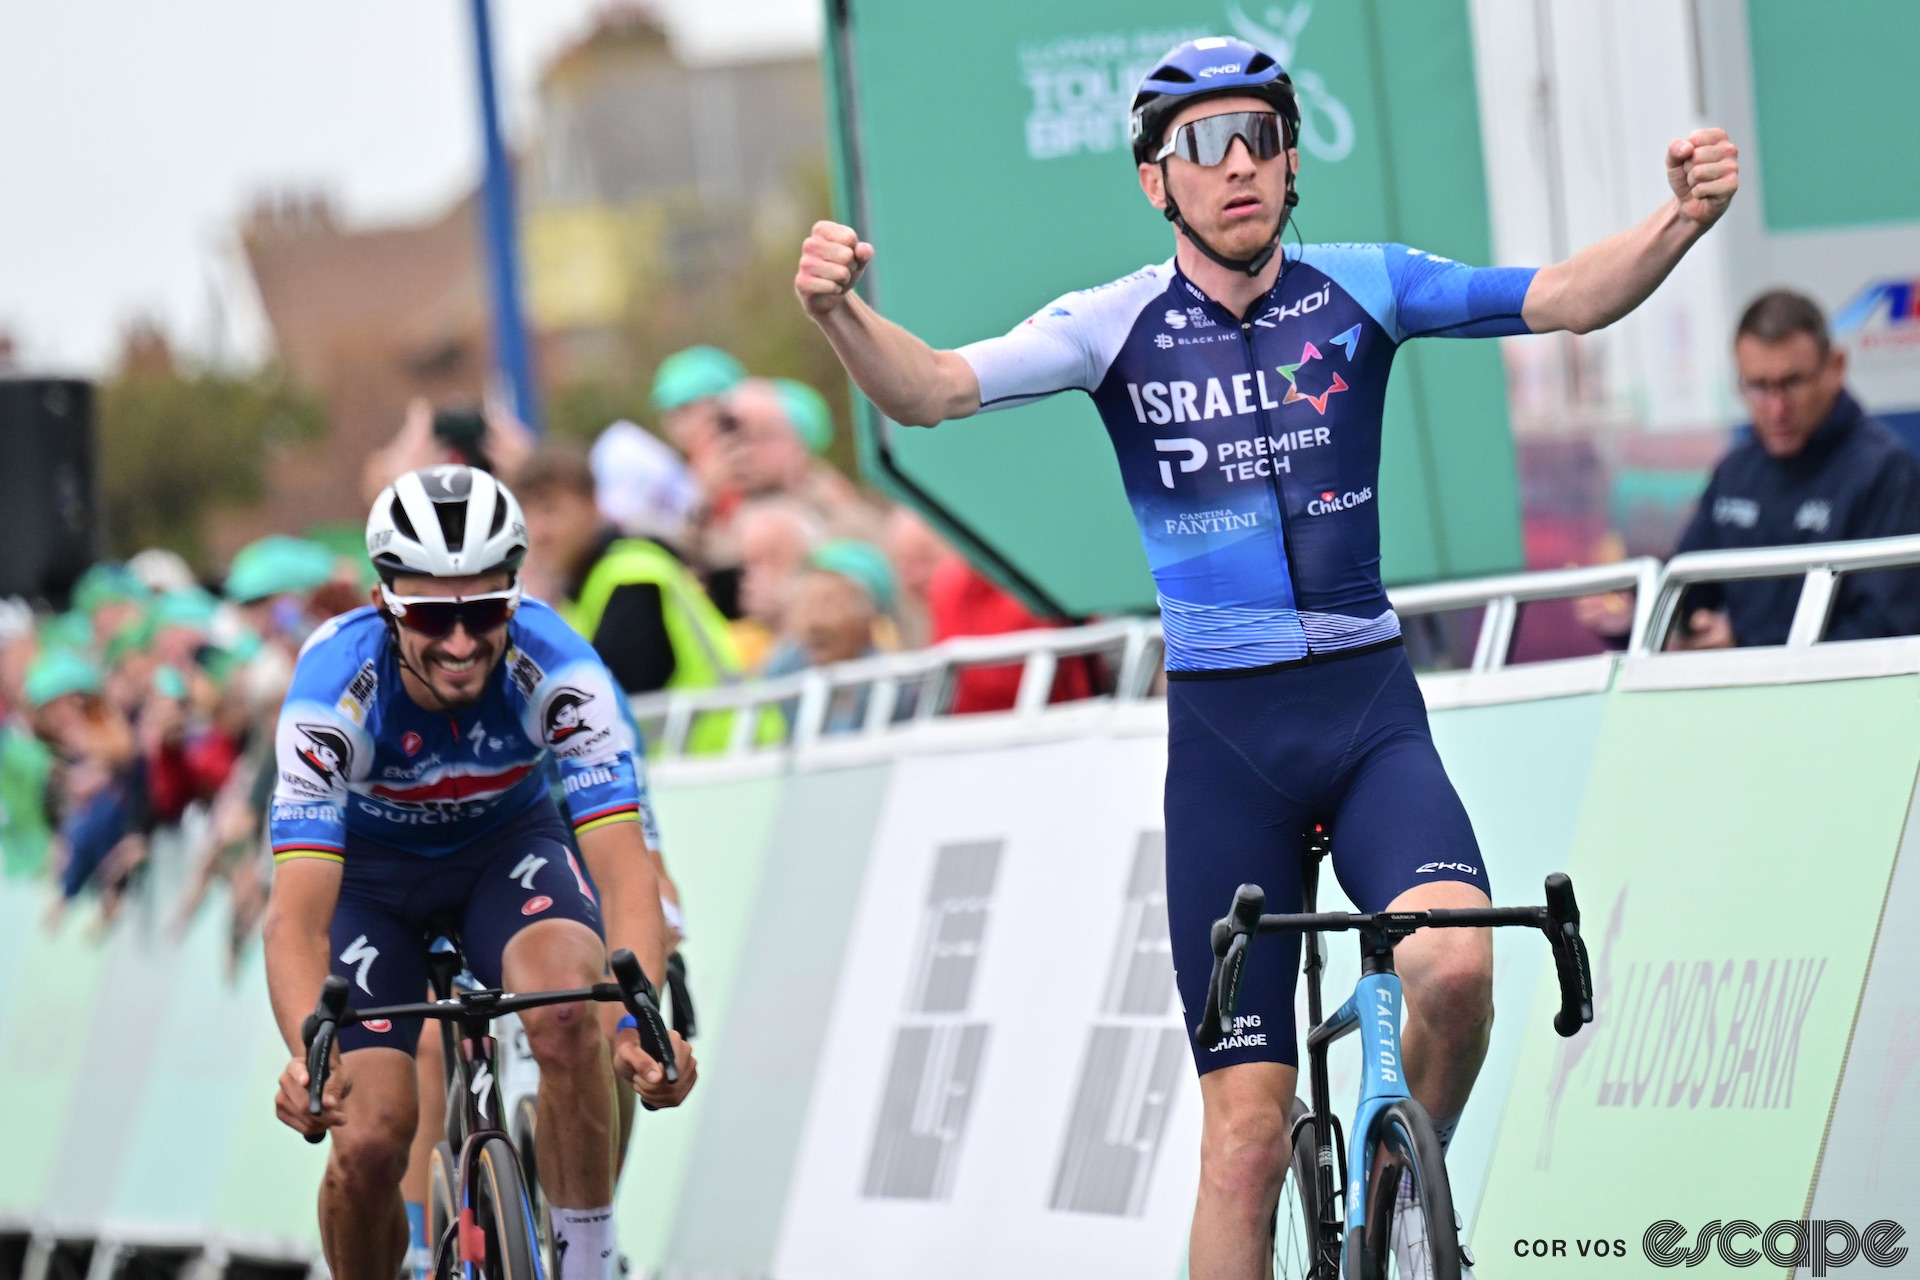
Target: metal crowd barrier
pixel 903 689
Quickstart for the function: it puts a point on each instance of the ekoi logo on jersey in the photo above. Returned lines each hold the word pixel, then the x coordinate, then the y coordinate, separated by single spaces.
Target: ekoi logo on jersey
pixel 324 750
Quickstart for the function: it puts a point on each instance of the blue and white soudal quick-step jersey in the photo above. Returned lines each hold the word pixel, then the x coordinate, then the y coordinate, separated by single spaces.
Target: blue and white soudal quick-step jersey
pixel 1250 446
pixel 359 759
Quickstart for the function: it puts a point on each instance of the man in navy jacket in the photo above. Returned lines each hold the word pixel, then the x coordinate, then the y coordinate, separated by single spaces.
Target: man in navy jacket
pixel 1817 469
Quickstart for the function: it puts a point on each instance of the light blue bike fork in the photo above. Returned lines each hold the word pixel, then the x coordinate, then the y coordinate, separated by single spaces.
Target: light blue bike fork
pixel 1374 1011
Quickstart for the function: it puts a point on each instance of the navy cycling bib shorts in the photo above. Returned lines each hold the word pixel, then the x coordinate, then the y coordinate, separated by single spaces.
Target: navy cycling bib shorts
pixel 1253 762
pixel 512 877
pixel 1249 446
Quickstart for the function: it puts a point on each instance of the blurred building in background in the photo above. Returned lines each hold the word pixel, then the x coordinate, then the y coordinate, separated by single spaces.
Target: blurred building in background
pixel 655 195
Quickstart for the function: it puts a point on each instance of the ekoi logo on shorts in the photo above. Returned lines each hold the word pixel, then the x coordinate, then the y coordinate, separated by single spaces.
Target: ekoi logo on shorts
pixel 535 905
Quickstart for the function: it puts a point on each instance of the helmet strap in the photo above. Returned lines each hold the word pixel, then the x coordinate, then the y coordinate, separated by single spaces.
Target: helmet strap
pixel 1252 266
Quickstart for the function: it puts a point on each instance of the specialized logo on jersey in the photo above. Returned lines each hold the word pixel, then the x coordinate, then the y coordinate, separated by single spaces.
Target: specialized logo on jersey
pixel 360 954
pixel 566 714
pixel 325 751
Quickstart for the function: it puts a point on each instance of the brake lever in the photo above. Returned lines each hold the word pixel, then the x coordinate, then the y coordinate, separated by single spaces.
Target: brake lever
pixel 642 1002
pixel 319 1030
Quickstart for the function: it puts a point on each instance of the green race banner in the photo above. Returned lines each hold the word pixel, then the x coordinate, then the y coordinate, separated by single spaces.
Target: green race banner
pixel 983 151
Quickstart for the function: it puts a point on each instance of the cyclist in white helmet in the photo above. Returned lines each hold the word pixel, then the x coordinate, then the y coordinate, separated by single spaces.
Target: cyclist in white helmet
pixel 414 758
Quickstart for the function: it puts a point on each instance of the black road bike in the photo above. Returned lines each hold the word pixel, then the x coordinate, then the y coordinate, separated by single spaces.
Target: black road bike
pixel 485 1218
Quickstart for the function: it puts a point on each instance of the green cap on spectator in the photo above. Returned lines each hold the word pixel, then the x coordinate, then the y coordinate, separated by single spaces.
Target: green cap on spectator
pixel 189 607
pixel 70 630
pixel 694 374
pixel 58 672
pixel 807 411
pixel 277 564
pixel 169 683
pixel 862 563
pixel 133 638
pixel 104 583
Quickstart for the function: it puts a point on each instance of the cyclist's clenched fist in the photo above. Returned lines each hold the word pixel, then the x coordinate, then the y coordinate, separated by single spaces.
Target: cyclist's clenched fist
pixel 831 260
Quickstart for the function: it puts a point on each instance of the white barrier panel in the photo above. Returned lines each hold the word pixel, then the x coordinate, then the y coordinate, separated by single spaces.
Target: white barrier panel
pixel 1006 1088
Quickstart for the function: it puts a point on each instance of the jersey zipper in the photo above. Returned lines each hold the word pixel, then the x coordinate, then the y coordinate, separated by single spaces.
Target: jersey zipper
pixel 1273 472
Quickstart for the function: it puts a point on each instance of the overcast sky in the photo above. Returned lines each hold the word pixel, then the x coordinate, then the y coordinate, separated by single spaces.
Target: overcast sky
pixel 133 133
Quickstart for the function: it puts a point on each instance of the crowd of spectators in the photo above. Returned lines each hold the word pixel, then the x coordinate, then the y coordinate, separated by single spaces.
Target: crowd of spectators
pixel 721 548
pixel 725 546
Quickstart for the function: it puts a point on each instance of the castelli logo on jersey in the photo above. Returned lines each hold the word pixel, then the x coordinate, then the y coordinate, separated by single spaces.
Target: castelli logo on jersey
pixel 411 742
pixel 536 905
pixel 1329 502
pixel 378 1024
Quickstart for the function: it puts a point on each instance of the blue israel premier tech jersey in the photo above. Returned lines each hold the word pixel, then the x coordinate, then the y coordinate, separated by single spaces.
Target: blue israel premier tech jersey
pixel 359 760
pixel 1250 446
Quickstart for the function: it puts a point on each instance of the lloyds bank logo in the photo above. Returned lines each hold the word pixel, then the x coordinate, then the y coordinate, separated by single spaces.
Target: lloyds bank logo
pixel 1082 85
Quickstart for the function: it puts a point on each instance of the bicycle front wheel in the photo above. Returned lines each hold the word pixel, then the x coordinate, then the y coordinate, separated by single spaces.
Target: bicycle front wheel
pixel 503 1212
pixel 1410 1232
pixel 444 1181
pixel 526 1118
pixel 1296 1219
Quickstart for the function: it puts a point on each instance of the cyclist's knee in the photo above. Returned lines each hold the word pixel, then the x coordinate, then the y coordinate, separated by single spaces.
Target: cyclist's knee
pixel 1453 987
pixel 563 1037
pixel 370 1151
pixel 1244 1145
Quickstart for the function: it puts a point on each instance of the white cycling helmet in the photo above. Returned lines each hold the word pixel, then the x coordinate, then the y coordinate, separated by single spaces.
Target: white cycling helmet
pixel 446 522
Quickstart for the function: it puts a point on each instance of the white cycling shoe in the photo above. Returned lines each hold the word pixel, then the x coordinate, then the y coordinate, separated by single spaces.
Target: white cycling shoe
pixel 1411 1257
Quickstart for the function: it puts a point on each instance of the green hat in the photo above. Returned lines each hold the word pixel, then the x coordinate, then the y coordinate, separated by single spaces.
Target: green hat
pixel 70 630
pixel 694 374
pixel 863 564
pixel 58 672
pixel 277 564
pixel 189 607
pixel 104 583
pixel 130 639
pixel 169 683
pixel 807 411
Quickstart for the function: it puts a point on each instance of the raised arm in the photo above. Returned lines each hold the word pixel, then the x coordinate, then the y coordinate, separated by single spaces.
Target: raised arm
pixel 905 378
pixel 1605 281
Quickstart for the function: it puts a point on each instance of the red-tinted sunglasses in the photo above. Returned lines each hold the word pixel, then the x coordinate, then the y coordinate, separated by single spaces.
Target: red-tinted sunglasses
pixel 436 616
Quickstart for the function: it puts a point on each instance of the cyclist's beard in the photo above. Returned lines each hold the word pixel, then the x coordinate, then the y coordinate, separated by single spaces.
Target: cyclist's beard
pixel 450 694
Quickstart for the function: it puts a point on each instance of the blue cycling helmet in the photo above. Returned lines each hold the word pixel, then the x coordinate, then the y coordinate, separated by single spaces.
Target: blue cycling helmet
pixel 1212 67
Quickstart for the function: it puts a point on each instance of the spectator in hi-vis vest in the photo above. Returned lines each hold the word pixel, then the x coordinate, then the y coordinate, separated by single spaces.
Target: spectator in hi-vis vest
pixel 633 598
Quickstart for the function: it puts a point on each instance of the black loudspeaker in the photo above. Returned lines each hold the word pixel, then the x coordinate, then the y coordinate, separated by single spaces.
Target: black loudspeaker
pixel 49 515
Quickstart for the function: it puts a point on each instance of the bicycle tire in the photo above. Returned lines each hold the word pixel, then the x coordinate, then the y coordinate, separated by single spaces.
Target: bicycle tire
pixel 526 1116
pixel 1403 1142
pixel 1295 1216
pixel 442 1181
pixel 503 1212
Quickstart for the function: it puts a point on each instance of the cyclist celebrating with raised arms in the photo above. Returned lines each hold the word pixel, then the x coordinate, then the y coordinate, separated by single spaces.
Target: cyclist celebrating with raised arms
pixel 413 756
pixel 1242 384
